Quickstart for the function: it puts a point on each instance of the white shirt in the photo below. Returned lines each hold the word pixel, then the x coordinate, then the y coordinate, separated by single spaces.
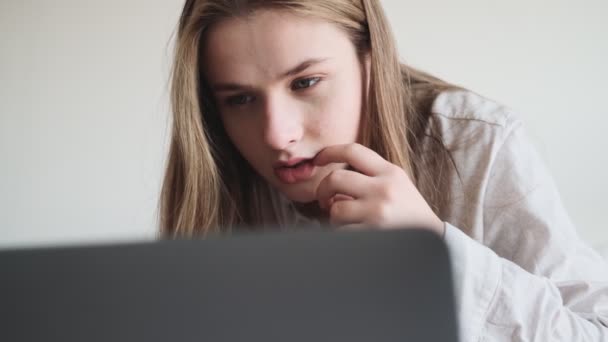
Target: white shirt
pixel 521 272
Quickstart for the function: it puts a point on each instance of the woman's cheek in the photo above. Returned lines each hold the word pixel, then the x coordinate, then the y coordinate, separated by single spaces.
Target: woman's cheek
pixel 320 110
pixel 339 119
pixel 237 126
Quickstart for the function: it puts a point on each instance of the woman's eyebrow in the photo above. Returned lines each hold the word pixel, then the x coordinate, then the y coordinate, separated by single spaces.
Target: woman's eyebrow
pixel 303 66
pixel 220 87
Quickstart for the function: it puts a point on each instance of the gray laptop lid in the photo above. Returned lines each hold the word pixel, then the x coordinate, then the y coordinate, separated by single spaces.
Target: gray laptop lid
pixel 297 286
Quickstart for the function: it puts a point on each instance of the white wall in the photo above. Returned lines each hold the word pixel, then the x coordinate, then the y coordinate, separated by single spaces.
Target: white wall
pixel 83 118
pixel 83 103
pixel 544 58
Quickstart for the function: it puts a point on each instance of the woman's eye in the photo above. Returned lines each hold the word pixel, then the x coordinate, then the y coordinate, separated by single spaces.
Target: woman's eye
pixel 305 83
pixel 239 100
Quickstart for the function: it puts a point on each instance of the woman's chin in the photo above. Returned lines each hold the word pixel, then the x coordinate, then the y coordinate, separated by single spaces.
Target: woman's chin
pixel 299 193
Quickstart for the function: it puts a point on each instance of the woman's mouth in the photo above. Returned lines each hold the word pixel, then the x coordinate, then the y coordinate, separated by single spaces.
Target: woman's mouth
pixel 295 171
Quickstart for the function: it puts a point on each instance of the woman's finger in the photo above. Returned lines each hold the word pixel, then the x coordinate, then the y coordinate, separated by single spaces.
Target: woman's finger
pixel 339 197
pixel 347 212
pixel 357 156
pixel 344 182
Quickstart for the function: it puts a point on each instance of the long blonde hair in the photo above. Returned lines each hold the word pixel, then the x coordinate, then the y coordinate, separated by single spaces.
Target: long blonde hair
pixel 209 188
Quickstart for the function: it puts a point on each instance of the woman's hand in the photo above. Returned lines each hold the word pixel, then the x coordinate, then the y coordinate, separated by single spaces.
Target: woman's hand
pixel 378 193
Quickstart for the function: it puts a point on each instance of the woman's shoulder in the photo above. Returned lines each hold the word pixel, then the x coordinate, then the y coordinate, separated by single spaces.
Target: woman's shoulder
pixel 465 119
pixel 474 130
pixel 463 104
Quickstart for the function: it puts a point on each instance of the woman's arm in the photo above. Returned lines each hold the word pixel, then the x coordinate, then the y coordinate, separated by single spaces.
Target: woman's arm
pixel 530 277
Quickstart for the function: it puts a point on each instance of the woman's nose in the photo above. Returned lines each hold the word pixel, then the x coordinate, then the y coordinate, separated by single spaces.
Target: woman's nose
pixel 283 126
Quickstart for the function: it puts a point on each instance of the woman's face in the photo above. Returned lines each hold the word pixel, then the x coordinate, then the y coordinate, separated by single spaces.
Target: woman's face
pixel 285 87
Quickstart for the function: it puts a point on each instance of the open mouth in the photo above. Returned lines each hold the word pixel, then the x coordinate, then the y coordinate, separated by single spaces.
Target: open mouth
pixel 298 172
pixel 299 164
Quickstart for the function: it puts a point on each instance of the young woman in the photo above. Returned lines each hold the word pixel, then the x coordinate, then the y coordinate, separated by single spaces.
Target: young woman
pixel 299 111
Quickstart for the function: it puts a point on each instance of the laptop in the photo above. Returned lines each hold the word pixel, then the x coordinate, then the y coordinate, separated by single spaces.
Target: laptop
pixel 281 286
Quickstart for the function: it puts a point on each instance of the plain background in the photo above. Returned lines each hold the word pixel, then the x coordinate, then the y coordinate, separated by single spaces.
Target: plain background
pixel 84 105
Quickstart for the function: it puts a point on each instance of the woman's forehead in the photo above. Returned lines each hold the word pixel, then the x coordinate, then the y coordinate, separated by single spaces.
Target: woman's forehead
pixel 268 43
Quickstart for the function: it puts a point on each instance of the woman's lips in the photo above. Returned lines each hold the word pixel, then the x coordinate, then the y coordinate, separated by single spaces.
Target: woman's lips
pixel 298 171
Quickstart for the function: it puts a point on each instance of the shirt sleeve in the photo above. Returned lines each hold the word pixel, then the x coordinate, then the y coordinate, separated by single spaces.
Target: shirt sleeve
pixel 530 277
